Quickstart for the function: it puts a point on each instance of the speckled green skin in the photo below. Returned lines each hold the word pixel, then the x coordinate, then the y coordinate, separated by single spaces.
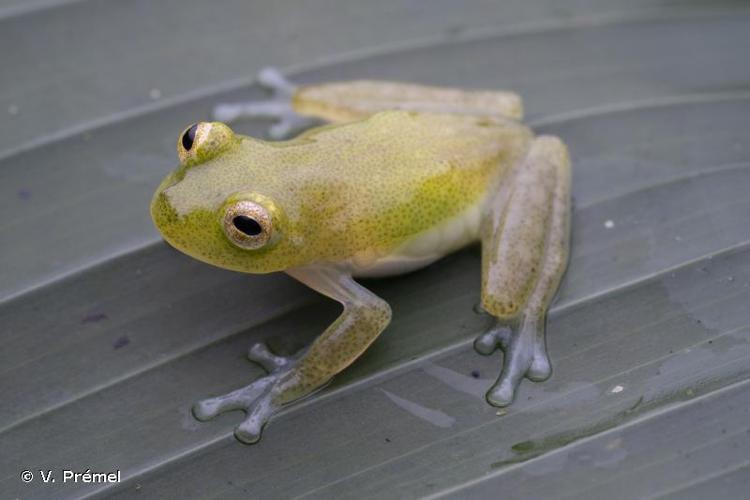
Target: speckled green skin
pixel 400 186
pixel 337 191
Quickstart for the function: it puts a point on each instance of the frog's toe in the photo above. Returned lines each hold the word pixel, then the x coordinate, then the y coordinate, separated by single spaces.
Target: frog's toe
pixel 259 353
pixel 274 109
pixel 241 399
pixel 515 366
pixel 250 429
pixel 275 81
pixel 540 369
pixel 525 356
pixel 287 121
pixel 289 124
pixel 502 393
pixel 230 112
pixel 497 336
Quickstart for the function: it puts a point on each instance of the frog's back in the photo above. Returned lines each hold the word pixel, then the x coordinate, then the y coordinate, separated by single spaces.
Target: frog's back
pixel 406 146
pixel 380 182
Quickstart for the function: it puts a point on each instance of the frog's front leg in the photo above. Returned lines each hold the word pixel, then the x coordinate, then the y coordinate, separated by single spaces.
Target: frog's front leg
pixel 525 239
pixel 365 315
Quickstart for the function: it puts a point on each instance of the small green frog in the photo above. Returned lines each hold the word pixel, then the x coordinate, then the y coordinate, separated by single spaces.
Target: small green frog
pixel 401 176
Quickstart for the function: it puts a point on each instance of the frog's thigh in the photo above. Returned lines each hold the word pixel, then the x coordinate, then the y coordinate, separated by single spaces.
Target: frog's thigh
pixel 526 227
pixel 352 100
pixel 364 317
pixel 524 255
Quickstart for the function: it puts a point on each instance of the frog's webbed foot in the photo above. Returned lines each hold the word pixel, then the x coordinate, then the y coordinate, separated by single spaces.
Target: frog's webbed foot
pixel 525 355
pixel 524 255
pixel 278 107
pixel 255 399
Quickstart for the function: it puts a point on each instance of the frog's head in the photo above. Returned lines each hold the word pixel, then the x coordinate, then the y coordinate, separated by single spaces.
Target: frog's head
pixel 212 206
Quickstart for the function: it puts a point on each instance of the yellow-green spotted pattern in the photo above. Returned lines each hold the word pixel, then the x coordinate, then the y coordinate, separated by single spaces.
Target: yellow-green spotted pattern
pixel 338 190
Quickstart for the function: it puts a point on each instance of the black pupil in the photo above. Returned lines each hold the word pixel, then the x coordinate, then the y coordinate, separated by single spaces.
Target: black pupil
pixel 188 137
pixel 247 225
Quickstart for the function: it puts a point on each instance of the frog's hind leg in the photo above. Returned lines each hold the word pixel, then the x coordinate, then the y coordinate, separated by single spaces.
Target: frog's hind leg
pixel 278 107
pixel 296 108
pixel 353 100
pixel 525 239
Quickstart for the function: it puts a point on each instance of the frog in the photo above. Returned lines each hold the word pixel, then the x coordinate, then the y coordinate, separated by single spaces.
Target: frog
pixel 369 179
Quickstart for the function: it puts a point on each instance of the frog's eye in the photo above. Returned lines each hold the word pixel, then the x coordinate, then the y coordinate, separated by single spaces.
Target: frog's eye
pixel 202 141
pixel 190 143
pixel 247 225
pixel 188 138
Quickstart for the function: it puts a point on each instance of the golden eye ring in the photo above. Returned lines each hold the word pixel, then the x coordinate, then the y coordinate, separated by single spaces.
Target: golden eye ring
pixel 203 141
pixel 247 225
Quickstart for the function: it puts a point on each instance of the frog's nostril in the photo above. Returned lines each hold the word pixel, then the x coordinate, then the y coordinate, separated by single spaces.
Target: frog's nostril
pixel 188 137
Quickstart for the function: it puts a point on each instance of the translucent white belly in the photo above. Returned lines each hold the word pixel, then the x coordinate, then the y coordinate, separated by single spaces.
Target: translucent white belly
pixel 423 249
